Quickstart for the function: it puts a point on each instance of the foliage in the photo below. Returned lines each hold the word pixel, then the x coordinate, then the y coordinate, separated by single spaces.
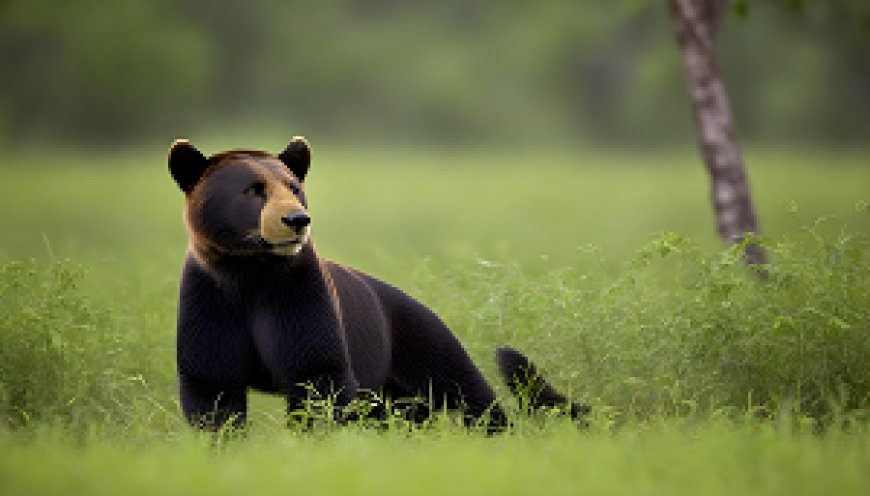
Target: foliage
pixel 99 72
pixel 677 328
pixel 674 329
pixel 62 360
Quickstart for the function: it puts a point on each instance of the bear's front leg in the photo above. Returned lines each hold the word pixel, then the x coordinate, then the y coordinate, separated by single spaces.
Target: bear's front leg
pixel 301 343
pixel 207 406
pixel 308 363
pixel 213 350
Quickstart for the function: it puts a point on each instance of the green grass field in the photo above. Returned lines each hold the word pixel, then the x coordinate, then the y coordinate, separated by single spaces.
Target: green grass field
pixel 603 267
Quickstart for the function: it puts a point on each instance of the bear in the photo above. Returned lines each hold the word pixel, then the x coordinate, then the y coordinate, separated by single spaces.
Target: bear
pixel 259 309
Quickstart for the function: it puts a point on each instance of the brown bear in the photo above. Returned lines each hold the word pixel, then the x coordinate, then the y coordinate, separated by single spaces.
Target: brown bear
pixel 258 308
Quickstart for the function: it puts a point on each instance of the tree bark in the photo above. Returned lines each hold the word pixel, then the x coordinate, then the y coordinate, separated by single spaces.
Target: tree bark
pixel 695 24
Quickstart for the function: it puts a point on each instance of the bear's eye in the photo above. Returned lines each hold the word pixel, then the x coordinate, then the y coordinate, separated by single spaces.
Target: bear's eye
pixel 294 189
pixel 257 189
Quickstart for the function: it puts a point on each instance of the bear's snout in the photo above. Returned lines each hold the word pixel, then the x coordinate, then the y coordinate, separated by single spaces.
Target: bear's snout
pixel 296 220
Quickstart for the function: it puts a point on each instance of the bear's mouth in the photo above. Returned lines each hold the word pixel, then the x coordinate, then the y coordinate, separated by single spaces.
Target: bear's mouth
pixel 288 244
pixel 287 247
pixel 285 243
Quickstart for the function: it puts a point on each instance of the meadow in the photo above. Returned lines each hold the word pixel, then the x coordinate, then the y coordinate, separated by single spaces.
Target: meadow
pixel 601 266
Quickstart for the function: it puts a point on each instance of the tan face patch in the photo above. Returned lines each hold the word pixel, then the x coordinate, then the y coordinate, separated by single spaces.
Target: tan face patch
pixel 281 202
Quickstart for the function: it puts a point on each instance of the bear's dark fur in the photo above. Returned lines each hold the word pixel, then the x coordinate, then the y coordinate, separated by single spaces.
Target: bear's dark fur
pixel 258 308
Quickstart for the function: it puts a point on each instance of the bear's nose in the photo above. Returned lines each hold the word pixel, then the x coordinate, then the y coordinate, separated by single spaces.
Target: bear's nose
pixel 296 220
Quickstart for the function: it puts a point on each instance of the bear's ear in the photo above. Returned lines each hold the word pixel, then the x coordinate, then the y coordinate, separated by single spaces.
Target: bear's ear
pixel 186 164
pixel 297 157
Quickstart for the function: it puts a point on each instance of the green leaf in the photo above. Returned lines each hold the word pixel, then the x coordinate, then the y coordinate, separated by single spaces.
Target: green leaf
pixel 839 323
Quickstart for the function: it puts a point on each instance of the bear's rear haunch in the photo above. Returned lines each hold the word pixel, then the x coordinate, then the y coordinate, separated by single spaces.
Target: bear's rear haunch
pixel 258 308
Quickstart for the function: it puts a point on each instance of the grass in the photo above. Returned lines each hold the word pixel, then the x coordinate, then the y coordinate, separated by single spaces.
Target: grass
pixel 601 267
pixel 716 458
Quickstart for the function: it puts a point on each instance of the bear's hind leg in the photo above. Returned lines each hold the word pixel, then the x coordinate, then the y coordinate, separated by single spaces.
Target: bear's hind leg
pixel 431 363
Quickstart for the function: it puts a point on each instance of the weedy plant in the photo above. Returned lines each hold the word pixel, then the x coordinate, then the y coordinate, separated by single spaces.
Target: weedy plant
pixel 677 329
pixel 63 360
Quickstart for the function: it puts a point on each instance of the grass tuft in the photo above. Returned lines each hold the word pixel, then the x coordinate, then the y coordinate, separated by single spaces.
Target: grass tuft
pixel 64 360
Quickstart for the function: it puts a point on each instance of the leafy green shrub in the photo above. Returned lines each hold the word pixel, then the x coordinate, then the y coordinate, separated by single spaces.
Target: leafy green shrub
pixel 61 359
pixel 678 328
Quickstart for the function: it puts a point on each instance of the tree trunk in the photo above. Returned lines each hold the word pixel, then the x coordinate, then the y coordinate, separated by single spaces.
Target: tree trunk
pixel 695 23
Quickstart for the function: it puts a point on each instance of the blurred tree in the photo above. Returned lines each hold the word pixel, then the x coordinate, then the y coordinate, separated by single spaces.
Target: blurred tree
pixel 116 72
pixel 696 23
pixel 97 72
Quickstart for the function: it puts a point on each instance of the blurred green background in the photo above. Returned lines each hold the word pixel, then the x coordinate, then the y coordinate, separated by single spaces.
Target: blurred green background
pixel 552 72
pixel 547 125
pixel 503 130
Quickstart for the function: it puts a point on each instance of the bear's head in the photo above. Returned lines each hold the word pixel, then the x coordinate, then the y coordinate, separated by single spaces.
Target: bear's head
pixel 242 202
